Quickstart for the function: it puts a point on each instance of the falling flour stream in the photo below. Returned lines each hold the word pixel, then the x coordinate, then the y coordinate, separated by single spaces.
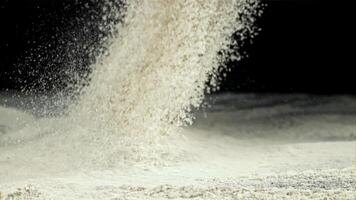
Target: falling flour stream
pixel 141 90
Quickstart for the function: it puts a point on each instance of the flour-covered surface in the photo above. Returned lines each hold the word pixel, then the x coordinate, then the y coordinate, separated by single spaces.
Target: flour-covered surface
pixel 241 147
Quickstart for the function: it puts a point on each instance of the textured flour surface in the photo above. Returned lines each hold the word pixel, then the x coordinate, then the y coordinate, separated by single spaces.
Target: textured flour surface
pixel 243 147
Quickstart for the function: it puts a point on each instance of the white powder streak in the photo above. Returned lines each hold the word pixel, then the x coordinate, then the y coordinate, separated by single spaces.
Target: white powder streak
pixel 159 63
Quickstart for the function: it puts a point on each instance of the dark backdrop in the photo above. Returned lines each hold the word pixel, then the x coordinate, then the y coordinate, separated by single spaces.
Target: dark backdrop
pixel 304 46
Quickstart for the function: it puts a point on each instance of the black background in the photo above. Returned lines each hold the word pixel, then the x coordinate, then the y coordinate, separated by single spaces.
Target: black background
pixel 304 46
